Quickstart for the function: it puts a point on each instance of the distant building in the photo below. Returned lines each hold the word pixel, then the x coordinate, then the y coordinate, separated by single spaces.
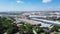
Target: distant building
pixel 36 16
pixel 51 15
pixel 54 15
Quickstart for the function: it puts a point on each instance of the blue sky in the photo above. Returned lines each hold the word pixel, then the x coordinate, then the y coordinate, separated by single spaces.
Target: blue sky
pixel 29 5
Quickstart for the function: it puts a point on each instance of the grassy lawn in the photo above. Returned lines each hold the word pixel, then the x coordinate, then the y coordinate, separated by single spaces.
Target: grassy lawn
pixel 42 33
pixel 58 20
pixel 55 33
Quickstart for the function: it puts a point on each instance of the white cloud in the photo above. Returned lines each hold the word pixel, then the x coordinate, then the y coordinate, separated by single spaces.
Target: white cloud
pixel 19 1
pixel 46 1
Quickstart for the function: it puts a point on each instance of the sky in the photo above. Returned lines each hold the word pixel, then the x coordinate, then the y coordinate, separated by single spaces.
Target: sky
pixel 29 5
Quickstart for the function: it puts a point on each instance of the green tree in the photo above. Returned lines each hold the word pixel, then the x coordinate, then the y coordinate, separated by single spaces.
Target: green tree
pixel 55 28
pixel 26 29
pixel 7 26
pixel 38 29
pixel 12 29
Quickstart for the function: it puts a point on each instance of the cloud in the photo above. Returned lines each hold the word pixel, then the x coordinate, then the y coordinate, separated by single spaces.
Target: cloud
pixel 19 1
pixel 46 1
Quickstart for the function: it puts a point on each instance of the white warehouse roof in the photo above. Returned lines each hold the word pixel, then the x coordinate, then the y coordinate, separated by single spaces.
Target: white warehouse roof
pixel 47 21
